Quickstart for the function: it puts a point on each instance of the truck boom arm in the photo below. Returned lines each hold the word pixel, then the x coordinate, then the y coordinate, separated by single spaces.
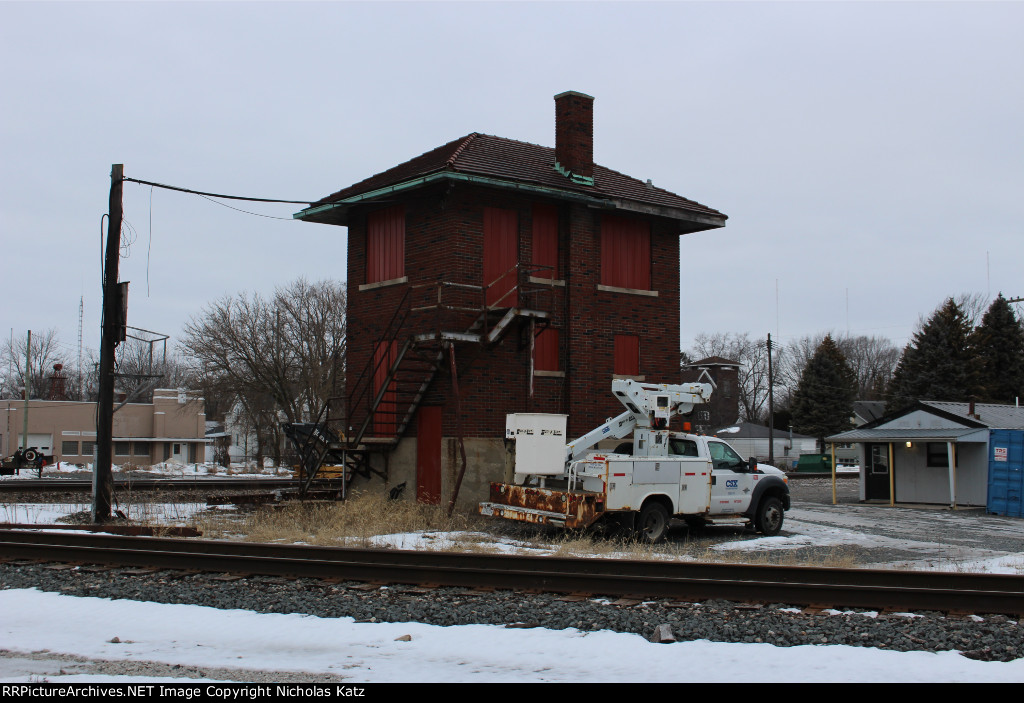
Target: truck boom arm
pixel 615 428
pixel 647 405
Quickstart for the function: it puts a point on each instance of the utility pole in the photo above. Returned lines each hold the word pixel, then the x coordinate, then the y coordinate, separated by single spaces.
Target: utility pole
pixel 28 388
pixel 81 310
pixel 110 334
pixel 771 406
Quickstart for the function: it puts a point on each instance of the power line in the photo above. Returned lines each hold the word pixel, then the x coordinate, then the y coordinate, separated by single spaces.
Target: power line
pixel 219 195
pixel 247 212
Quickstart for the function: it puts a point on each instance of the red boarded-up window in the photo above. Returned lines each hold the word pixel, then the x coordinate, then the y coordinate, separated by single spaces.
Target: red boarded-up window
pixel 385 244
pixel 501 253
pixel 625 253
pixel 385 418
pixel 627 355
pixel 545 241
pixel 545 350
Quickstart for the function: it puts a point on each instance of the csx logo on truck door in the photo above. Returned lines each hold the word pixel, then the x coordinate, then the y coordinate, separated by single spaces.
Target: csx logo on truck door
pixel 732 483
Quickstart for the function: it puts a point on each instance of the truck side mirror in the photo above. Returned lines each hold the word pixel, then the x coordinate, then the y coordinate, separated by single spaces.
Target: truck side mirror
pixel 752 465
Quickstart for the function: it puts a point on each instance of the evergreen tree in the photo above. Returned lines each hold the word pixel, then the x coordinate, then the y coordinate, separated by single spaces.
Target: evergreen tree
pixel 823 402
pixel 937 364
pixel 998 348
pixel 896 396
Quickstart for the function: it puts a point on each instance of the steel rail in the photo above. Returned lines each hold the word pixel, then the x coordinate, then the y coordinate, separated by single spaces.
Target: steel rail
pixel 878 589
pixel 145 484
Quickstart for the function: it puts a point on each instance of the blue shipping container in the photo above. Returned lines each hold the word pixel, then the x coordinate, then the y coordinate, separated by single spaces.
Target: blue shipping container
pixel 1006 473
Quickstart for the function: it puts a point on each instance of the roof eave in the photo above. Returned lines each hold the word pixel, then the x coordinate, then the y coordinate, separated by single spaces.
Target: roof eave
pixel 895 436
pixel 336 213
pixel 689 221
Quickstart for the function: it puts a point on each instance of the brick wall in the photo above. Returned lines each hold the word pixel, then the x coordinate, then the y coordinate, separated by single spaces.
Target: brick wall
pixel 444 241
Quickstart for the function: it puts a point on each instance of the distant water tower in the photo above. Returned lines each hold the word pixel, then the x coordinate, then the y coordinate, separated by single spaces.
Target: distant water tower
pixel 57 383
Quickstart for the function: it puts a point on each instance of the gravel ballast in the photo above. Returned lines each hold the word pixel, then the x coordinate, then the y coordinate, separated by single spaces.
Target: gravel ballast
pixel 990 638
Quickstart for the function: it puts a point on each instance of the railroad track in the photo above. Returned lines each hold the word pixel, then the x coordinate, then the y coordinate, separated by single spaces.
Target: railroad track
pixel 146 484
pixel 176 484
pixel 866 588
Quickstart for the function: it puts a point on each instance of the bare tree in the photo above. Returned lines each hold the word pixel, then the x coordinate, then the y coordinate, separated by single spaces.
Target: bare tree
pixel 218 395
pixel 973 306
pixel 313 329
pixel 142 365
pixel 45 352
pixel 239 341
pixel 752 355
pixel 279 356
pixel 872 359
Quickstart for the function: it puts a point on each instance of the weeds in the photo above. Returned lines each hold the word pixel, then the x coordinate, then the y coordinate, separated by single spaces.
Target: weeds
pixel 370 520
pixel 356 521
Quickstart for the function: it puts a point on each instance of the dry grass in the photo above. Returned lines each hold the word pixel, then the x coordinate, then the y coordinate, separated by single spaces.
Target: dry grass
pixel 355 521
pixel 363 518
pixel 832 557
pixel 590 545
pixel 698 548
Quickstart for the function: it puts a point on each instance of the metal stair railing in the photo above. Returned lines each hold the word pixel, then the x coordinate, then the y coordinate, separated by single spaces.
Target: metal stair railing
pixel 313 445
pixel 361 392
pixel 476 317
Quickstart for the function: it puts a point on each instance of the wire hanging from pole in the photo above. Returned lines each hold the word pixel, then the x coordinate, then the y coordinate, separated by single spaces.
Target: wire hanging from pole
pixel 149 247
pixel 218 195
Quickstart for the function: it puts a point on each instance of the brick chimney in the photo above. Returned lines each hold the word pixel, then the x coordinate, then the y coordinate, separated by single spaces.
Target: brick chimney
pixel 574 133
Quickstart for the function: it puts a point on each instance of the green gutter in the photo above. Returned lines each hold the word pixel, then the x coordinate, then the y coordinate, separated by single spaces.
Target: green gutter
pixel 451 176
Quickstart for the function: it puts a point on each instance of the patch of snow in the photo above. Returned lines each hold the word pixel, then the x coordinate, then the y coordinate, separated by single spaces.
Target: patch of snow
pixel 865 613
pixel 190 635
pixel 49 513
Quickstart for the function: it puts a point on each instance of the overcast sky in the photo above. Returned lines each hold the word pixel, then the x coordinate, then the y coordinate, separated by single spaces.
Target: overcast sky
pixel 870 156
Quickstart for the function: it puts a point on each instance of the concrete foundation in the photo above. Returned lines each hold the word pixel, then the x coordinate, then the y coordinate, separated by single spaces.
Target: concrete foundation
pixel 486 461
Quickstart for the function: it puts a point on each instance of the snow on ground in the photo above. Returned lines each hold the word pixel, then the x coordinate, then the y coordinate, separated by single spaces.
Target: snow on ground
pixel 147 513
pixel 808 534
pixel 1012 564
pixel 801 533
pixel 373 653
pixel 210 470
pixel 441 541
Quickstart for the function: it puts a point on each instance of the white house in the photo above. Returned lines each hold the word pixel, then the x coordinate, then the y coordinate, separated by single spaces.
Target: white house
pixel 932 452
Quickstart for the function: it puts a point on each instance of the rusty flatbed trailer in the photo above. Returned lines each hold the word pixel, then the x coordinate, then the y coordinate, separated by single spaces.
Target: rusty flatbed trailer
pixel 544 506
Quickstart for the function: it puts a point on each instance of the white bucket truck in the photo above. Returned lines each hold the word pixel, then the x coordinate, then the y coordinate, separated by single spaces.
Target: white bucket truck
pixel 642 484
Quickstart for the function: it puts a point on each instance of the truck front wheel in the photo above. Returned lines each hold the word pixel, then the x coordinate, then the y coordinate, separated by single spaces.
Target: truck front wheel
pixel 769 516
pixel 653 523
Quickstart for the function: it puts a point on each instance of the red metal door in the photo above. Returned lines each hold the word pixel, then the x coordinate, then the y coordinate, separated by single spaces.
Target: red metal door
pixel 428 454
pixel 501 253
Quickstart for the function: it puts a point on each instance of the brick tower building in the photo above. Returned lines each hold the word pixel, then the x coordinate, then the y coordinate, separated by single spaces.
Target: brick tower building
pixel 526 277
